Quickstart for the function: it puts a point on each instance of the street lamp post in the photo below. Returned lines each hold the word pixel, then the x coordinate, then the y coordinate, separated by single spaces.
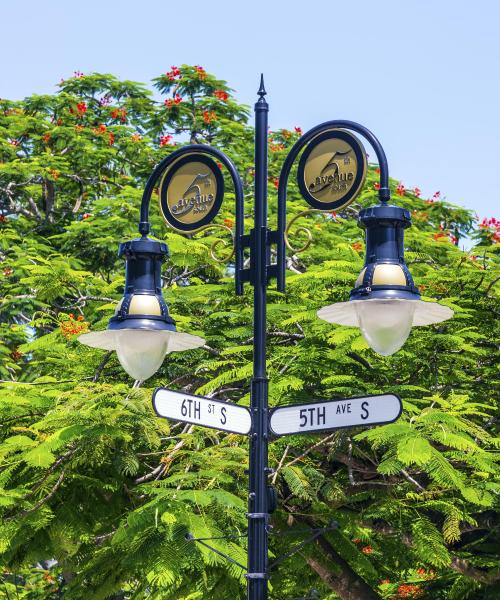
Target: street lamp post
pixel 384 303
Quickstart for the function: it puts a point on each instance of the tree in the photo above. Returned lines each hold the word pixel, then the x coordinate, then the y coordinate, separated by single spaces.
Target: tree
pixel 97 493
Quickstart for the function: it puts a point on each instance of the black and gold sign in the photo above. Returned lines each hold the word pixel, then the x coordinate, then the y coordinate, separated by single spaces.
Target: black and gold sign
pixel 332 170
pixel 191 192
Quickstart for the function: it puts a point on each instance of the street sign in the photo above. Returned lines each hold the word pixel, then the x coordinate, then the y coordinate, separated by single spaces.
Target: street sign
pixel 201 411
pixel 336 414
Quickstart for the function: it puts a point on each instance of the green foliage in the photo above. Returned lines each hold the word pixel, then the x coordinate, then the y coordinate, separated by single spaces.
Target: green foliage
pixel 97 493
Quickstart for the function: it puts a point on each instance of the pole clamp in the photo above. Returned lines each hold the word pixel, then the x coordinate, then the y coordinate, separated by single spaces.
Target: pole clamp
pixel 256 575
pixel 257 515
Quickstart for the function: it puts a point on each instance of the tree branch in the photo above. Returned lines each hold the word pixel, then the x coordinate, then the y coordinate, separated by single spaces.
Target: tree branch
pixel 41 502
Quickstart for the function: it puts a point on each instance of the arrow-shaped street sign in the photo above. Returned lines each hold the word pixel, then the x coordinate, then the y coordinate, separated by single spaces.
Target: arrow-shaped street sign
pixel 201 411
pixel 336 414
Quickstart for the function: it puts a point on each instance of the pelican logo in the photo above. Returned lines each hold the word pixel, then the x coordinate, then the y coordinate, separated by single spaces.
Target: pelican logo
pixel 332 170
pixel 191 192
pixel 193 199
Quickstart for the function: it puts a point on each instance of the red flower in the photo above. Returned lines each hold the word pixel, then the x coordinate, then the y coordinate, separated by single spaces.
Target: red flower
pixel 276 182
pixel 209 116
pixel 136 137
pixel 200 71
pixel 169 103
pixel 3 219
pixel 46 138
pixel 177 99
pixel 119 113
pixel 357 246
pixel 81 107
pixel 367 550
pixel 298 130
pixel 220 165
pixel 409 590
pixel 8 271
pixel 377 171
pixel 72 327
pixel 429 201
pixel 16 355
pixel 99 130
pixel 86 216
pixel 173 73
pixel 277 147
pixel 453 239
pixel 356 541
pixel 416 192
pixel 14 142
pixel 436 195
pixel 400 190
pixel 111 138
pixel 228 223
pixel 78 74
pixel 376 186
pixel 221 95
pixel 165 140
pixel 385 581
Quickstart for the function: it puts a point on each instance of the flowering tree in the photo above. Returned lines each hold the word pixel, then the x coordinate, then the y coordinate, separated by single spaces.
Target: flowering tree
pixel 97 493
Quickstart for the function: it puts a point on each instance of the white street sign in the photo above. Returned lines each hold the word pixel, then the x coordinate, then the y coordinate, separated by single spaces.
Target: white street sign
pixel 201 411
pixel 336 414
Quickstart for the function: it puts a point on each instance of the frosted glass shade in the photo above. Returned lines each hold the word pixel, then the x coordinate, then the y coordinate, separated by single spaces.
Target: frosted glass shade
pixel 385 324
pixel 141 351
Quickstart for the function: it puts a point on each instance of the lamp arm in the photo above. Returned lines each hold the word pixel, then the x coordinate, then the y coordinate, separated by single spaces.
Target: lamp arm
pixel 166 163
pixel 384 191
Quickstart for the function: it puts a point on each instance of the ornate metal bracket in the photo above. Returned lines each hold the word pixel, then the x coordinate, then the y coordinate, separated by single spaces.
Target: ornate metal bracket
pixel 302 229
pixel 220 242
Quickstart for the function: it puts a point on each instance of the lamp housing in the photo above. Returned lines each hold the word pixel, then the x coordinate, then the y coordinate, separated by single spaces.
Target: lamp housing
pixel 385 303
pixel 141 331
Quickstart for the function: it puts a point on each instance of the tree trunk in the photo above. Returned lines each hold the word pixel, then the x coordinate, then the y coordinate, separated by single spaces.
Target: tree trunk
pixel 348 584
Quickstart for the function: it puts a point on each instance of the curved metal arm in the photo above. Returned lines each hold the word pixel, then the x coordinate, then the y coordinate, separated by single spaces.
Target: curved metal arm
pixel 144 225
pixel 384 191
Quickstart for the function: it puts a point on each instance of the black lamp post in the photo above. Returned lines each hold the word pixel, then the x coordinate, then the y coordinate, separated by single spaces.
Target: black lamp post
pixel 384 303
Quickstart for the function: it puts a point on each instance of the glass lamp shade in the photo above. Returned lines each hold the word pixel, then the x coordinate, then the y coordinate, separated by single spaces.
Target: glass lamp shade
pixel 141 351
pixel 385 323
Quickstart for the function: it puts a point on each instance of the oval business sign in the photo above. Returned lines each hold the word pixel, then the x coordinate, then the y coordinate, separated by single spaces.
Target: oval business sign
pixel 332 170
pixel 191 192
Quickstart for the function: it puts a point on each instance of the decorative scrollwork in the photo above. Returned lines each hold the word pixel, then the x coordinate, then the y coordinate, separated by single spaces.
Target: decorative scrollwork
pixel 219 242
pixel 302 229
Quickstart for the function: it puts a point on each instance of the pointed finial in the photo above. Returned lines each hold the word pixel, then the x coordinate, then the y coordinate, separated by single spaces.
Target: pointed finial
pixel 262 90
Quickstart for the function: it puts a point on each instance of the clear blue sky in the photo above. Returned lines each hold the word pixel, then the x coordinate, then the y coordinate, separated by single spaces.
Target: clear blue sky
pixel 423 75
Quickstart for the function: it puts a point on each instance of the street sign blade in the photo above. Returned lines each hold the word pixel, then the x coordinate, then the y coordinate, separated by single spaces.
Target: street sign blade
pixel 201 411
pixel 335 414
